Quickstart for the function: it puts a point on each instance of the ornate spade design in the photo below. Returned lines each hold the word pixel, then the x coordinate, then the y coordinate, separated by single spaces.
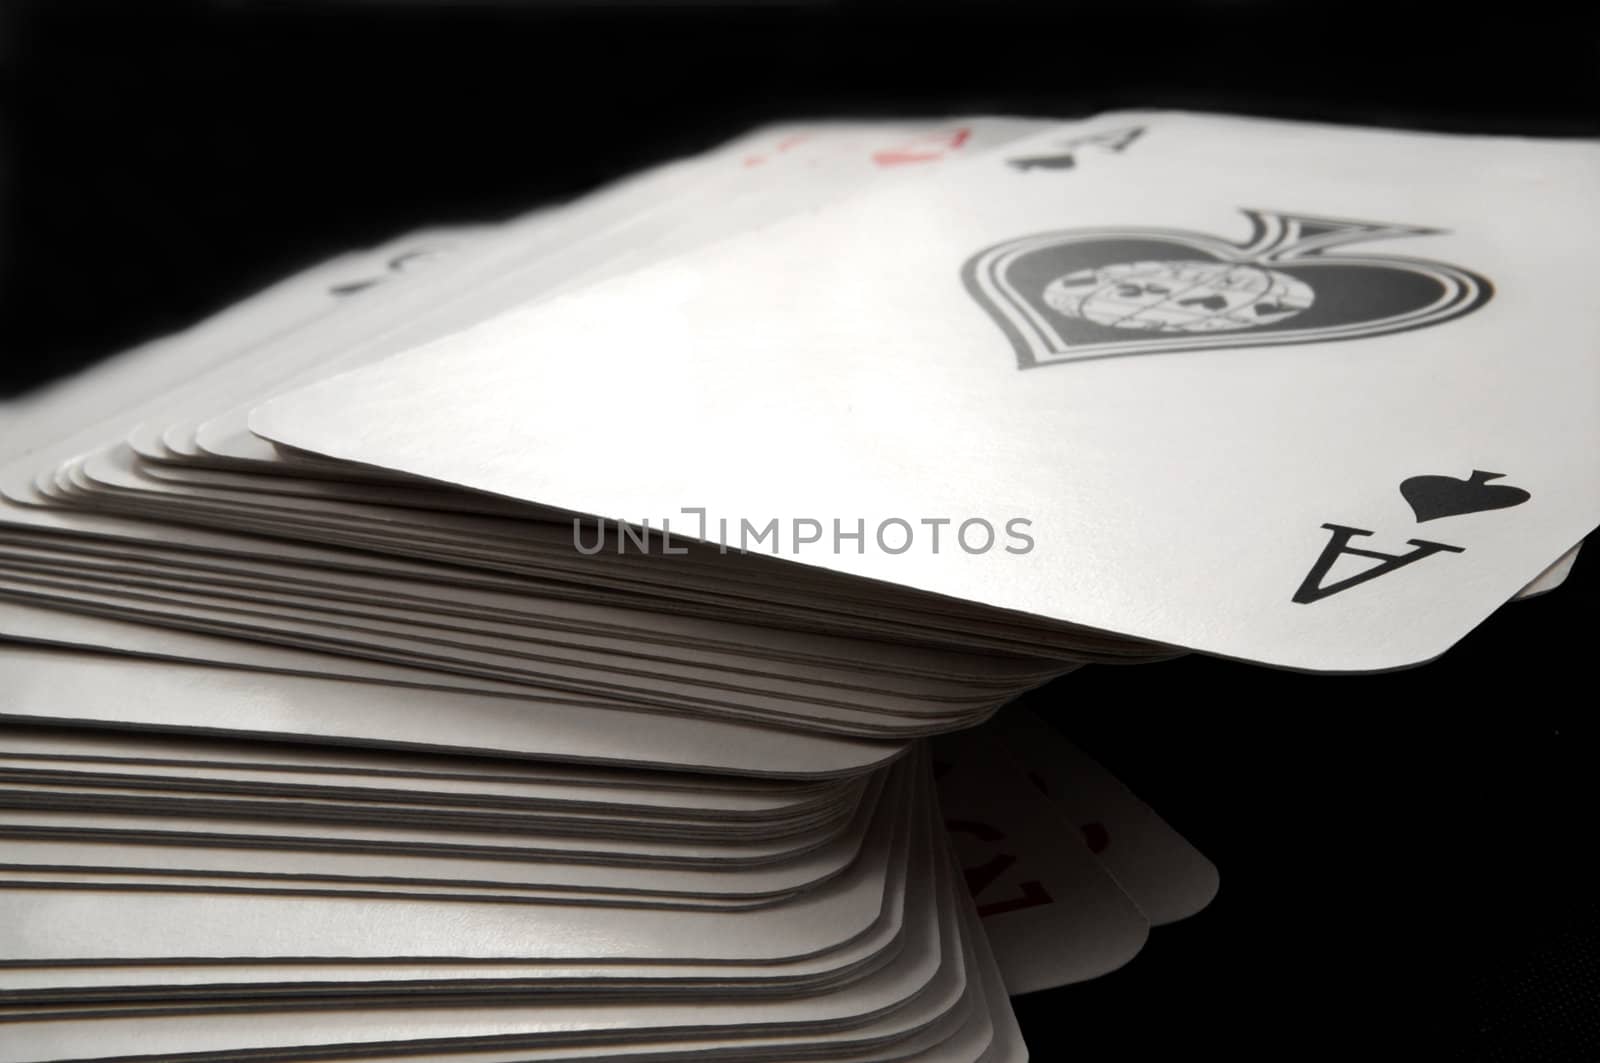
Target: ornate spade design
pixel 1101 293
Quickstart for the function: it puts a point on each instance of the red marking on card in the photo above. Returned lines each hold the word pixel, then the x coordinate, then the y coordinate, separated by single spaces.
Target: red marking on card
pixel 788 142
pixel 753 160
pixel 929 147
pixel 901 157
pixel 982 877
pixel 1096 837
pixel 1030 894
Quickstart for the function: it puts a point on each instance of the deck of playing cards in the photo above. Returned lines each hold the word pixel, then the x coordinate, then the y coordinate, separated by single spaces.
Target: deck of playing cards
pixel 583 637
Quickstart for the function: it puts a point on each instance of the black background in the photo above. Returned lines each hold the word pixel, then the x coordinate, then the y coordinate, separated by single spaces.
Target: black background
pixel 1404 856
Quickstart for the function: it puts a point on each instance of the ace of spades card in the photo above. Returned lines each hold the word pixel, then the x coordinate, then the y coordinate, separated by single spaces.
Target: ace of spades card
pixel 1315 397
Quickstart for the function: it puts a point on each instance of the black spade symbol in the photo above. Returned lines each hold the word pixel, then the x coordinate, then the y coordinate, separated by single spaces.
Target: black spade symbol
pixel 1432 497
pixel 1043 162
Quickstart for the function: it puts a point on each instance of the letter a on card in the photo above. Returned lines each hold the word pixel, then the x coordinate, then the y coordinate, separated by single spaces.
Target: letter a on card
pixel 1312 589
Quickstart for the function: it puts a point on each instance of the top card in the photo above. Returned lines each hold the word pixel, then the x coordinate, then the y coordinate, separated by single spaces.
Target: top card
pixel 1312 396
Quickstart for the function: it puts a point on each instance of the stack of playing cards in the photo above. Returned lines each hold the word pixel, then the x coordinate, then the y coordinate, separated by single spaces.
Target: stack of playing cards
pixel 524 642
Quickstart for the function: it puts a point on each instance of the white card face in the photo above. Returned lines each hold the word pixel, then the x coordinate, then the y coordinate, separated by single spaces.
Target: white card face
pixel 1050 911
pixel 757 179
pixel 1168 878
pixel 1234 421
pixel 1552 577
pixel 444 273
